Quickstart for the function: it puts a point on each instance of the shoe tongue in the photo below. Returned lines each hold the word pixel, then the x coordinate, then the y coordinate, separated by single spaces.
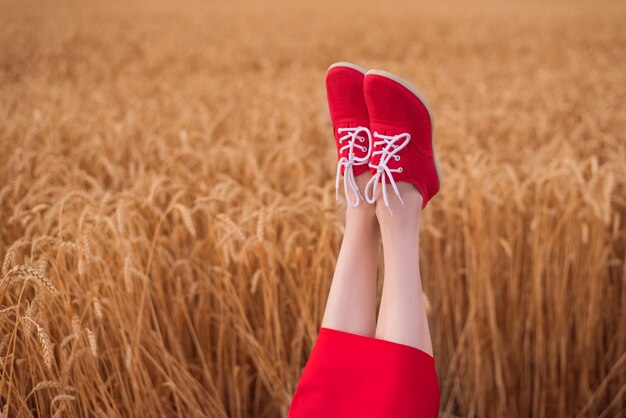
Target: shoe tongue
pixel 353 123
pixel 386 130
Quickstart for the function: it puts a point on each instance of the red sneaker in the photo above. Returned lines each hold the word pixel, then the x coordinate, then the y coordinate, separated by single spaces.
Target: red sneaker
pixel 402 124
pixel 348 113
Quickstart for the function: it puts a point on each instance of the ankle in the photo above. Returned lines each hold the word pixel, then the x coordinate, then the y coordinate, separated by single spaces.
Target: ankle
pixel 404 215
pixel 365 213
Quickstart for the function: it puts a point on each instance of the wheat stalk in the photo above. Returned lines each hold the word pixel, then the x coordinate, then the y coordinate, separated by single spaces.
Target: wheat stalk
pixel 128 358
pixel 214 310
pixel 187 219
pixel 28 326
pixel 128 275
pixel 93 346
pixel 231 226
pixel 28 271
pixel 260 226
pixel 97 307
pixel 76 328
pixel 81 267
pixel 87 247
pixel 44 342
pixel 9 257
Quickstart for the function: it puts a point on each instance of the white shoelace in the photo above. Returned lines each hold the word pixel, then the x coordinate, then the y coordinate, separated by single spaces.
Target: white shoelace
pixel 349 181
pixel 389 151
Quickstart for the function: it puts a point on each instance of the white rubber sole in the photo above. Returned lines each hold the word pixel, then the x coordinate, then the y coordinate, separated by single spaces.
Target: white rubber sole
pixel 420 97
pixel 347 65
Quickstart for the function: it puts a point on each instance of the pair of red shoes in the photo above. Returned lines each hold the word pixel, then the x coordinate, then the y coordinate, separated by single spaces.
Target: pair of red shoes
pixel 381 124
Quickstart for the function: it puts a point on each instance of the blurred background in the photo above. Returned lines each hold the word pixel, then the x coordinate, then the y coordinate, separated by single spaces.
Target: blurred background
pixel 168 221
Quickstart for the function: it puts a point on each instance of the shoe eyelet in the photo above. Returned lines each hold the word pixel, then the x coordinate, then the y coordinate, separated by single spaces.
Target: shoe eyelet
pixel 361 139
pixel 400 170
pixel 396 157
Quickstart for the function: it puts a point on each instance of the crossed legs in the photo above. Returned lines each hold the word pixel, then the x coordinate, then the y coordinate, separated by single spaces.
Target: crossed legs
pixel 363 365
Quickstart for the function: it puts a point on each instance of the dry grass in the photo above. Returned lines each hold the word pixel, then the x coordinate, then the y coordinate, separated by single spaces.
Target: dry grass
pixel 168 224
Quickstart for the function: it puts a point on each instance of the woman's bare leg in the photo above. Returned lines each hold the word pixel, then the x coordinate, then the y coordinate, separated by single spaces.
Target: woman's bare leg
pixel 402 316
pixel 351 305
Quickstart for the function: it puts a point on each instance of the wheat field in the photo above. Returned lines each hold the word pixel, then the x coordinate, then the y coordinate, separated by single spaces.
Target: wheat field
pixel 168 223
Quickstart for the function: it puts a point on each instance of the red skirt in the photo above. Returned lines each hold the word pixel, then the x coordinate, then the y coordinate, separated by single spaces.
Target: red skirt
pixel 349 375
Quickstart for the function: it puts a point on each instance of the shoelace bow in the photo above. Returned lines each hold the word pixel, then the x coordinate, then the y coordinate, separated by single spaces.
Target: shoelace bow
pixel 349 181
pixel 389 151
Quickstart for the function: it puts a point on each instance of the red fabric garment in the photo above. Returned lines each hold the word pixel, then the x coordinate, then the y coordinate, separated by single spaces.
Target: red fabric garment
pixel 396 108
pixel 349 375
